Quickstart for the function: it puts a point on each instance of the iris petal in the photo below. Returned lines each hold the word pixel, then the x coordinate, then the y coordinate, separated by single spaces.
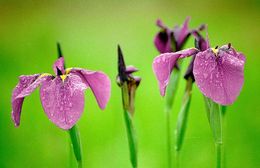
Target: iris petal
pixel 63 101
pixel 181 33
pixel 98 82
pixel 164 63
pixel 27 84
pixel 220 77
pixel 59 63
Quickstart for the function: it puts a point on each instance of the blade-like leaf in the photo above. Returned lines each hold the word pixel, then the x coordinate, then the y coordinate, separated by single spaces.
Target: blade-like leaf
pixel 214 114
pixel 172 86
pixel 170 95
pixel 183 116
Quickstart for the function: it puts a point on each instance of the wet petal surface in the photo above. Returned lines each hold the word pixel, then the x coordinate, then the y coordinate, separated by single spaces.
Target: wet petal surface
pixel 63 102
pixel 220 77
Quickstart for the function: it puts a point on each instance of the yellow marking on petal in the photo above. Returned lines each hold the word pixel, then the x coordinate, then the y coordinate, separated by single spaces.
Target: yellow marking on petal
pixel 215 51
pixel 44 74
pixel 63 77
pixel 67 71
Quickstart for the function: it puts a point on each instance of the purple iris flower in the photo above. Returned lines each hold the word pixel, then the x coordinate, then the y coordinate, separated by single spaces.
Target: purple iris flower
pixel 62 96
pixel 218 72
pixel 170 40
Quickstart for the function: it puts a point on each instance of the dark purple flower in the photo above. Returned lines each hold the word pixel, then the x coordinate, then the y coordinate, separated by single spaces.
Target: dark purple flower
pixel 125 77
pixel 170 40
pixel 219 73
pixel 62 96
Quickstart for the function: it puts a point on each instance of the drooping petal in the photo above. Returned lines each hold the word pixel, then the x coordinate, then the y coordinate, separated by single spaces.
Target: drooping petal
pixel 59 63
pixel 26 85
pixel 219 76
pixel 181 33
pixel 99 83
pixel 164 63
pixel 63 101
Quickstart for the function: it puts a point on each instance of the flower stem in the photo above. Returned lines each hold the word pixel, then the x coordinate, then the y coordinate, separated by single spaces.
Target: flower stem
pixel 131 135
pixel 214 113
pixel 76 144
pixel 219 155
pixel 169 138
pixel 131 139
pixel 170 94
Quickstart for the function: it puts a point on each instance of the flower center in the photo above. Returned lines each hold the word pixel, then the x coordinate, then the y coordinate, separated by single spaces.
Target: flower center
pixel 215 51
pixel 63 77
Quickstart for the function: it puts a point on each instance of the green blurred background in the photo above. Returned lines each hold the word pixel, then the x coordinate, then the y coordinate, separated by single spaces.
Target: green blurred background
pixel 89 32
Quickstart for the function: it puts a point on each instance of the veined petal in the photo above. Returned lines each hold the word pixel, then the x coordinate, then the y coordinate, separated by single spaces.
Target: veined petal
pixel 219 76
pixel 27 84
pixel 98 82
pixel 59 63
pixel 164 63
pixel 63 101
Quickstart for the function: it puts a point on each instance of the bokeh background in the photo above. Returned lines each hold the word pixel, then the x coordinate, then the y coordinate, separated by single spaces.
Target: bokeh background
pixel 89 32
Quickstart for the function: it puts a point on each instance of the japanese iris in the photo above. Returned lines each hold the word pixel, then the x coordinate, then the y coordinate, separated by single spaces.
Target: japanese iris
pixel 218 72
pixel 62 95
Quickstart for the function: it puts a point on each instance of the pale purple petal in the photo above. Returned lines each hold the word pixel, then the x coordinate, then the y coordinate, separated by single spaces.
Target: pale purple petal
pixel 219 77
pixel 160 24
pixel 164 63
pixel 59 63
pixel 63 101
pixel 26 85
pixel 98 82
pixel 131 69
pixel 181 33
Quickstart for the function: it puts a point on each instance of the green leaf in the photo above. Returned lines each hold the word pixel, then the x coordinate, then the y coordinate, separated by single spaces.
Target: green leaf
pixel 172 87
pixel 214 114
pixel 76 144
pixel 170 95
pixel 183 116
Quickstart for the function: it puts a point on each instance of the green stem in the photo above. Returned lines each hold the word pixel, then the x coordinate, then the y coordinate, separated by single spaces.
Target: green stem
pixel 169 138
pixel 219 155
pixel 131 135
pixel 170 95
pixel 131 138
pixel 214 113
pixel 76 144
